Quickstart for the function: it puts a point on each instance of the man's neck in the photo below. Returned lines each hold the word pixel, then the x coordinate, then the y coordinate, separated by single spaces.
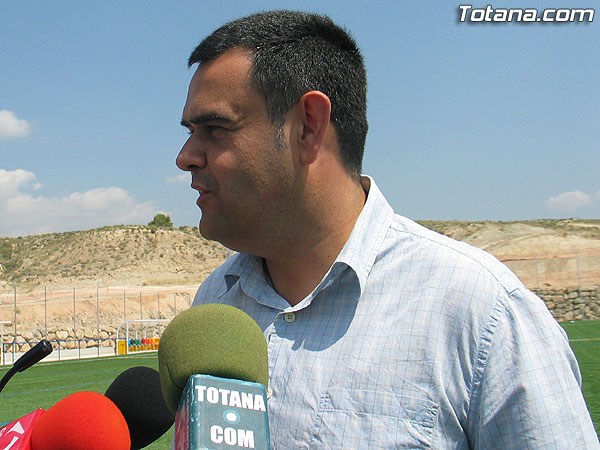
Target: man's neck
pixel 298 269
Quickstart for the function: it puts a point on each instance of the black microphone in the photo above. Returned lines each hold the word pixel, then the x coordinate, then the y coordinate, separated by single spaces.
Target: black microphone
pixel 137 393
pixel 35 354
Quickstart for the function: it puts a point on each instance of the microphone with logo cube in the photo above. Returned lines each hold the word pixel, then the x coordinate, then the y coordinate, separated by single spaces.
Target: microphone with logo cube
pixel 214 371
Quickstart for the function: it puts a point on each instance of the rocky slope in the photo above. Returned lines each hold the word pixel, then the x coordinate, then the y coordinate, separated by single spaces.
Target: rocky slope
pixel 111 256
pixel 116 273
pixel 143 256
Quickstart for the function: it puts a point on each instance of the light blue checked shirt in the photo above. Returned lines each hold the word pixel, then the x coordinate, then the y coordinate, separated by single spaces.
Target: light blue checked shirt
pixel 411 340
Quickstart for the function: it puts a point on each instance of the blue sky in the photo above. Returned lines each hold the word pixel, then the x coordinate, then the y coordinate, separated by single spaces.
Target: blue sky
pixel 467 121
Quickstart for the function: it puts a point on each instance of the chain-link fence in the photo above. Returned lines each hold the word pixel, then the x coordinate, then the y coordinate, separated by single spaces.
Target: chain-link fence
pixel 84 318
pixel 81 318
pixel 558 270
pixel 569 282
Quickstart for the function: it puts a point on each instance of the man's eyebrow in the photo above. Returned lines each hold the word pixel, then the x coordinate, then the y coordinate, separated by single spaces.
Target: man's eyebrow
pixel 204 118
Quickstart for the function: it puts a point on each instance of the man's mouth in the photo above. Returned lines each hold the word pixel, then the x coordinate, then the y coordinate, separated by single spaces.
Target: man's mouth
pixel 203 192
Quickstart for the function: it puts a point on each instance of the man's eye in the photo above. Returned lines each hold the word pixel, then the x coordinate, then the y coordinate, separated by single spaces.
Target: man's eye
pixel 207 129
pixel 212 128
pixel 215 130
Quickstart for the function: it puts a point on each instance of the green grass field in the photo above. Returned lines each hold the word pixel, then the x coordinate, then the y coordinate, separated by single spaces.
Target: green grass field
pixel 584 337
pixel 43 385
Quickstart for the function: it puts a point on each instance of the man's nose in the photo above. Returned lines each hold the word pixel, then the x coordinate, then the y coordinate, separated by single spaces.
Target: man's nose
pixel 191 155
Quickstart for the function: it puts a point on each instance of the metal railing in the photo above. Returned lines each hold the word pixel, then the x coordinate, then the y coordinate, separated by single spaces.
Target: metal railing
pixel 63 349
pixel 84 313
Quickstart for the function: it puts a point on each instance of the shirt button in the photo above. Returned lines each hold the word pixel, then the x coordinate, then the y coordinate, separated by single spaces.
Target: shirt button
pixel 289 317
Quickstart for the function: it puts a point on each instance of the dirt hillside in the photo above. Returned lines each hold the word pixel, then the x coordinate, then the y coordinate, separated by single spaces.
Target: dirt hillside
pixel 526 238
pixel 143 256
pixel 543 253
pixel 111 256
pixel 96 279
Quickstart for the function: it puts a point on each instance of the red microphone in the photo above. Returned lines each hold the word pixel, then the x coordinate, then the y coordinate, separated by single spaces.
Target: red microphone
pixel 81 421
pixel 16 435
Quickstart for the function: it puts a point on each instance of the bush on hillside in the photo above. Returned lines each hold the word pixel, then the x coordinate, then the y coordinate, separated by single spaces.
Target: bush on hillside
pixel 161 221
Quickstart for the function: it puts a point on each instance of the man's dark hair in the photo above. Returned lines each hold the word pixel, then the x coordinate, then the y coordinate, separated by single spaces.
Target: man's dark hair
pixel 294 53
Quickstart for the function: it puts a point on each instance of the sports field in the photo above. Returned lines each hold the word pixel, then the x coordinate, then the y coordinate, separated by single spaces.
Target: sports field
pixel 43 385
pixel 584 337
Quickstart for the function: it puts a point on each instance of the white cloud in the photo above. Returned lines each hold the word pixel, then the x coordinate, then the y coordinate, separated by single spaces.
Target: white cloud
pixel 181 178
pixel 11 126
pixel 11 182
pixel 568 202
pixel 23 213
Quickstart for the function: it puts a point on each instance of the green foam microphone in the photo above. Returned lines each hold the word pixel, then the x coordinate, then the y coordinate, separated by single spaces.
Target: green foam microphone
pixel 213 368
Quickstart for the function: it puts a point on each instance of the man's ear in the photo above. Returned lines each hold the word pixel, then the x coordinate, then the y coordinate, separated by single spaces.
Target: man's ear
pixel 314 110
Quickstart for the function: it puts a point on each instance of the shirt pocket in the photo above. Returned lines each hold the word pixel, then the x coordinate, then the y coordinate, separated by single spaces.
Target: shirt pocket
pixel 355 419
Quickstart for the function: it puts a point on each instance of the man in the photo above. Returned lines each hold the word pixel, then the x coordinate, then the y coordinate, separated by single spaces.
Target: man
pixel 381 333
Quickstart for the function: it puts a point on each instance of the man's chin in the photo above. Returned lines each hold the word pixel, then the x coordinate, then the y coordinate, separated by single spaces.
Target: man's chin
pixel 210 231
pixel 205 231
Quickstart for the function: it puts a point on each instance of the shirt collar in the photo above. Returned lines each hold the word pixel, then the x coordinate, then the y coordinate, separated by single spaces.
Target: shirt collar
pixel 358 253
pixel 368 233
pixel 250 271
